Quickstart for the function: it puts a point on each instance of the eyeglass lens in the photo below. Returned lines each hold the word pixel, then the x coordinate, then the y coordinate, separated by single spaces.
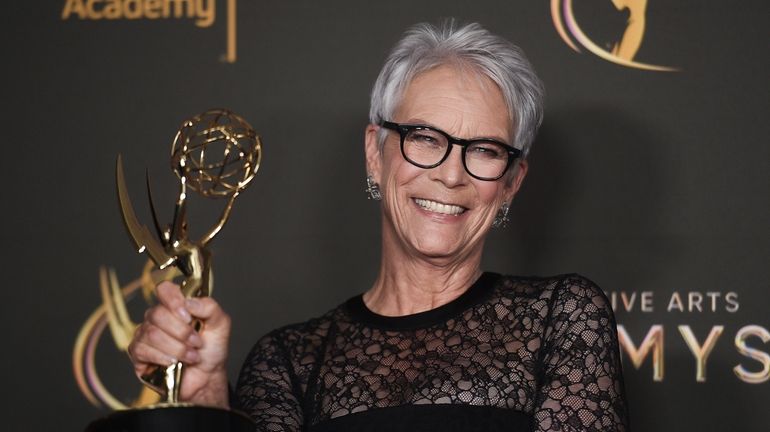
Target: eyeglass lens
pixel 425 147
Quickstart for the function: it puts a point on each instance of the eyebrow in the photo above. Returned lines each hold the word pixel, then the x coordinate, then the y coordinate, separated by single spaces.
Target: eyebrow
pixel 421 122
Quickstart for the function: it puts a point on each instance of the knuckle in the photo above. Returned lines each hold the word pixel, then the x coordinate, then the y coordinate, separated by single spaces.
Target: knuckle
pixel 139 337
pixel 167 291
pixel 164 286
pixel 131 351
pixel 155 314
pixel 226 320
pixel 185 332
pixel 138 331
pixel 154 334
pixel 179 352
pixel 207 302
pixel 137 353
pixel 151 315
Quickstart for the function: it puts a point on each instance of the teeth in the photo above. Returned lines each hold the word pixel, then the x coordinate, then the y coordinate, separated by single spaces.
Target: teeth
pixel 438 207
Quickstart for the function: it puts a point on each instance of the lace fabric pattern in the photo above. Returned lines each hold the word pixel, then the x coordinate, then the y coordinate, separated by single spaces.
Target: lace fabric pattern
pixel 544 347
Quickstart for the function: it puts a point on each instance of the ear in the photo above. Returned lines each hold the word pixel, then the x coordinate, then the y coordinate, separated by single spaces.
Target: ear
pixel 372 150
pixel 520 169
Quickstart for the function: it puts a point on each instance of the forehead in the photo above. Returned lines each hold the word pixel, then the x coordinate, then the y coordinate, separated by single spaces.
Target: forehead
pixel 461 101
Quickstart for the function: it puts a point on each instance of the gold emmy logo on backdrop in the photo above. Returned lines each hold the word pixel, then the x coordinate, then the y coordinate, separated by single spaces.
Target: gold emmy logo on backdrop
pixel 203 12
pixel 172 253
pixel 624 50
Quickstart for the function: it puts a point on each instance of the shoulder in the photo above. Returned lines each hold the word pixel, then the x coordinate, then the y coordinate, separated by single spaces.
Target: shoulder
pixel 575 292
pixel 576 314
pixel 565 296
pixel 292 339
pixel 565 286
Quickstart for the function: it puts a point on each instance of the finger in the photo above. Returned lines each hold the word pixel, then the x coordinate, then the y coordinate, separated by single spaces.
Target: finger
pixel 156 358
pixel 156 338
pixel 208 310
pixel 170 295
pixel 143 355
pixel 172 324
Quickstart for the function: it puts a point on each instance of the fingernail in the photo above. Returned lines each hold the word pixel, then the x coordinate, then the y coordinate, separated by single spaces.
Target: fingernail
pixel 192 303
pixel 195 340
pixel 184 314
pixel 170 360
pixel 191 356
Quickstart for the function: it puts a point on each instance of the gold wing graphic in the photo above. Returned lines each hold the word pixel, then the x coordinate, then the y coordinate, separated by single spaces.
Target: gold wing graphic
pixel 121 326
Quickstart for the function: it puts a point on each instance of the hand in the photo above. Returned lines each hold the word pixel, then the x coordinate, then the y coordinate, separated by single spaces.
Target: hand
pixel 167 336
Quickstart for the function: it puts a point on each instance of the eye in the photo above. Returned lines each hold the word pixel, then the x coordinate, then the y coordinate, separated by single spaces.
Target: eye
pixel 486 150
pixel 426 137
pixel 419 136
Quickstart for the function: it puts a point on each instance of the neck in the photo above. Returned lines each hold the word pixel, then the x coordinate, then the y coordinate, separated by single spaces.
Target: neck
pixel 410 283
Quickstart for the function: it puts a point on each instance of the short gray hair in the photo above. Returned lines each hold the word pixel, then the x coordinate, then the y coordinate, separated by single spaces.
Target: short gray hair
pixel 424 47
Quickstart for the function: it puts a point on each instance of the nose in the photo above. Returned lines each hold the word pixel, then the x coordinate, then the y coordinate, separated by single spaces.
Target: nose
pixel 451 172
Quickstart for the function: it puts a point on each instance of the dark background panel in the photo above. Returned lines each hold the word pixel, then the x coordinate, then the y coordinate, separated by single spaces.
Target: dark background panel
pixel 643 181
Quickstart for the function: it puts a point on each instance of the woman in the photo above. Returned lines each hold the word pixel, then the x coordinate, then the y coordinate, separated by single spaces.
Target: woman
pixel 435 342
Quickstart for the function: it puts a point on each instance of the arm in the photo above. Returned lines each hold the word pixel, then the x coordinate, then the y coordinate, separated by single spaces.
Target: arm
pixel 267 389
pixel 581 382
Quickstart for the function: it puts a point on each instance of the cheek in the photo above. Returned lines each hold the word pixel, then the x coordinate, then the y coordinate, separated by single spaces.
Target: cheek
pixel 491 196
pixel 490 193
pixel 397 172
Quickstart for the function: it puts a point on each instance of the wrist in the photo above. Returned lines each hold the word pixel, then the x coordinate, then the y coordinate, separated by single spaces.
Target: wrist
pixel 216 391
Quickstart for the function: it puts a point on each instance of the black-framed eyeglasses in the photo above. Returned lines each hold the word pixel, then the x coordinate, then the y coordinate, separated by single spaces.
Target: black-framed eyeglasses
pixel 427 147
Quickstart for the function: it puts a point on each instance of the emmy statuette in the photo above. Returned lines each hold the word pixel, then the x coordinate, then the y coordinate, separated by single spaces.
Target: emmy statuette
pixel 213 133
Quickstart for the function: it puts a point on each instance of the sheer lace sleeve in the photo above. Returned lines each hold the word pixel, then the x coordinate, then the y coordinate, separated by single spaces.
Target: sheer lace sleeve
pixel 581 382
pixel 267 388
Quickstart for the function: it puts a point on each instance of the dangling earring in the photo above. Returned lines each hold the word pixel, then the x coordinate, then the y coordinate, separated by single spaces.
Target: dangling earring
pixel 373 189
pixel 501 219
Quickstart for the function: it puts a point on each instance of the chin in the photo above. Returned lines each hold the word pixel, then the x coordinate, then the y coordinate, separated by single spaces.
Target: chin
pixel 438 246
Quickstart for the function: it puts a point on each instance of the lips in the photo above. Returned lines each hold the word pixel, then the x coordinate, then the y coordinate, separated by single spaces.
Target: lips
pixel 437 207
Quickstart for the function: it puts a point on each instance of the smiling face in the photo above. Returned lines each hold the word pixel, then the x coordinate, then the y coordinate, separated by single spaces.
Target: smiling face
pixel 442 213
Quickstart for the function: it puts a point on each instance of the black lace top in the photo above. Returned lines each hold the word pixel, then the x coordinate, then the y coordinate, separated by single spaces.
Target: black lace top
pixel 510 353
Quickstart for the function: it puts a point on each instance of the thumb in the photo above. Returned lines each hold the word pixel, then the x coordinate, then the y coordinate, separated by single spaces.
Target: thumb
pixel 208 310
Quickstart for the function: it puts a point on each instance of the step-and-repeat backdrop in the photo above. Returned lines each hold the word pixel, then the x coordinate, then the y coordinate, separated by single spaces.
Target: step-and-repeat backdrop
pixel 650 175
